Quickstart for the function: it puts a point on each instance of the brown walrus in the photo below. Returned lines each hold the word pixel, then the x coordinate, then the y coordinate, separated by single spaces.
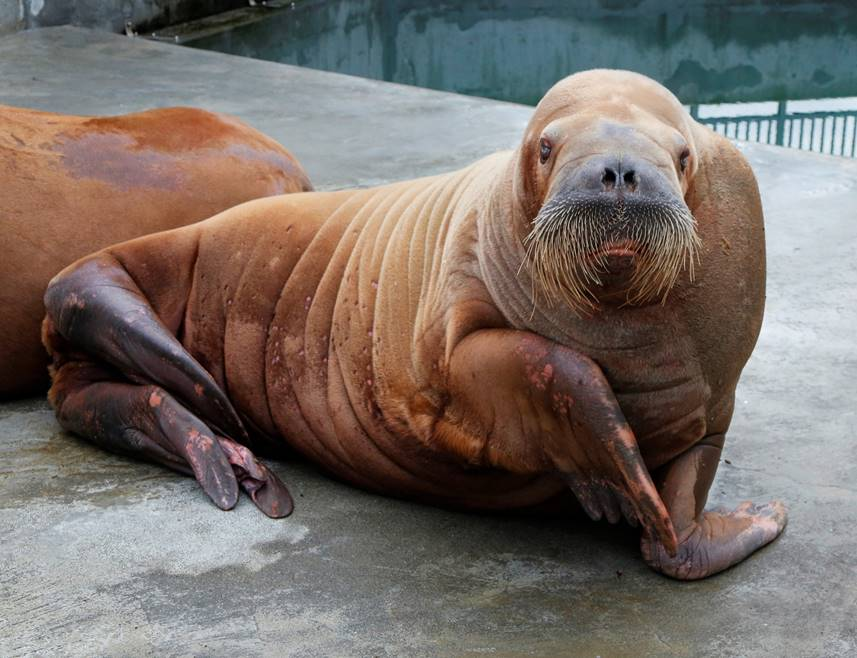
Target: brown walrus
pixel 70 185
pixel 566 315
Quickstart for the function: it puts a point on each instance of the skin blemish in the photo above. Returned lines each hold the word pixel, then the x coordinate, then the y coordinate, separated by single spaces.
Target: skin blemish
pixel 539 377
pixel 204 443
pixel 531 351
pixel 561 402
pixel 74 301
pixel 155 399
pixel 272 159
pixel 115 159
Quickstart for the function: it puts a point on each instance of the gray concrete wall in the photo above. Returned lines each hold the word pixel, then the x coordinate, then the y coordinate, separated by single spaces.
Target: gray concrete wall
pixel 106 14
pixel 11 15
pixel 704 51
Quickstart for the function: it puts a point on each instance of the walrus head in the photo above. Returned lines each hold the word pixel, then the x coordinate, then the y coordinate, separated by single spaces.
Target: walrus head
pixel 602 174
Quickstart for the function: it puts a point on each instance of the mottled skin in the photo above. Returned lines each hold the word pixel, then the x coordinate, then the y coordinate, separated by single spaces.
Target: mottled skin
pixel 71 185
pixel 392 336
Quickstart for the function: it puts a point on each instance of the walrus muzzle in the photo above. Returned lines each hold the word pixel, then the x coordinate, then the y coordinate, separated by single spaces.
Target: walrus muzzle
pixel 578 239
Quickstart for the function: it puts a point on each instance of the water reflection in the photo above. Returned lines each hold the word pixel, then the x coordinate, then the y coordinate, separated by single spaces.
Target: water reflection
pixel 705 51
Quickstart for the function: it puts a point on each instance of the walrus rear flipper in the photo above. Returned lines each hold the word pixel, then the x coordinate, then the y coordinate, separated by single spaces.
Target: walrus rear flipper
pixel 146 421
pixel 115 367
pixel 97 307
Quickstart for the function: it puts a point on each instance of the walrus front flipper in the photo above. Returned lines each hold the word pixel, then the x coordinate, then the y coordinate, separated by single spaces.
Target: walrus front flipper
pixel 712 540
pixel 528 405
pixel 97 307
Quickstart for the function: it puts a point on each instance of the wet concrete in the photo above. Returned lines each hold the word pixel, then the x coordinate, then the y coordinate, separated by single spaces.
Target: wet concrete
pixel 104 556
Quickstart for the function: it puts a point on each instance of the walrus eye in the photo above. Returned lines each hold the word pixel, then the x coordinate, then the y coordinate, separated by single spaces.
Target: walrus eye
pixel 544 150
pixel 683 159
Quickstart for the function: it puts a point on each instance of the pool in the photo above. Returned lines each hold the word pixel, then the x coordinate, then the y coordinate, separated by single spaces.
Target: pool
pixel 708 52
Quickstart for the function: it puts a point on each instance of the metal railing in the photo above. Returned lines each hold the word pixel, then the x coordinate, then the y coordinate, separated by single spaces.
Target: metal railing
pixel 832 133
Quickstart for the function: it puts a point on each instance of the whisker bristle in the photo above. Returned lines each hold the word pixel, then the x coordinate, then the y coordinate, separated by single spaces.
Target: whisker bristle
pixel 564 248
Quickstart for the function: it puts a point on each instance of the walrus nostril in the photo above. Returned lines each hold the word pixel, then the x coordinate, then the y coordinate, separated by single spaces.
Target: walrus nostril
pixel 608 178
pixel 630 178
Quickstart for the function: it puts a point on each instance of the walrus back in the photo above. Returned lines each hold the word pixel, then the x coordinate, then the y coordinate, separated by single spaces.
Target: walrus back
pixel 71 185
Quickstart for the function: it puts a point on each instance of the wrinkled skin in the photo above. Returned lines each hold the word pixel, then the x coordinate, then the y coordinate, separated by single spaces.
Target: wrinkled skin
pixel 72 185
pixel 397 337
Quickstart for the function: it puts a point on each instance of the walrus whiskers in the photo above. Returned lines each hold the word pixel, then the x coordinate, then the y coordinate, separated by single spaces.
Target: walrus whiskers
pixel 566 255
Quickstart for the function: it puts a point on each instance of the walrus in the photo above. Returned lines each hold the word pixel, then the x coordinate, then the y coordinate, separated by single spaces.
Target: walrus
pixel 572 315
pixel 70 185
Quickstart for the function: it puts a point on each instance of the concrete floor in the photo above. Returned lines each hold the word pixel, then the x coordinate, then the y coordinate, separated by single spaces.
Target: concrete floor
pixel 102 556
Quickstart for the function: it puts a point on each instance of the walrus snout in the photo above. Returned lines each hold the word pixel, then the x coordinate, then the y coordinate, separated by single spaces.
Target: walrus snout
pixel 613 227
pixel 616 177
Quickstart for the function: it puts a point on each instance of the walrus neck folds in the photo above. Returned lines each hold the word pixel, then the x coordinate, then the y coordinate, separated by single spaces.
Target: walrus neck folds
pixel 502 260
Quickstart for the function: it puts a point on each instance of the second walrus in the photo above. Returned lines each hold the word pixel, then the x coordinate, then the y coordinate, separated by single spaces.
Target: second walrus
pixel 70 185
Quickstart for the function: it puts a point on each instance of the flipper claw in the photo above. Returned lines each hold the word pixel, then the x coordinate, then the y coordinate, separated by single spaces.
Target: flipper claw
pixel 265 489
pixel 212 470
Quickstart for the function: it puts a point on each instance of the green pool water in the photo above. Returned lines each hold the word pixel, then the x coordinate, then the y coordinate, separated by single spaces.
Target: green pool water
pixel 706 51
